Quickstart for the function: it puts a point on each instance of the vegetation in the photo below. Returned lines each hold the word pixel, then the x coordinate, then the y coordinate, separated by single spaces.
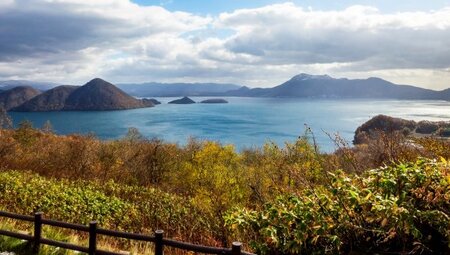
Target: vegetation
pixel 401 208
pixel 5 120
pixel 280 200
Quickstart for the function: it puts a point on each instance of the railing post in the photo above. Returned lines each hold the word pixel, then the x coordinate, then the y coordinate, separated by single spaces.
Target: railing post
pixel 37 232
pixel 92 237
pixel 159 246
pixel 236 248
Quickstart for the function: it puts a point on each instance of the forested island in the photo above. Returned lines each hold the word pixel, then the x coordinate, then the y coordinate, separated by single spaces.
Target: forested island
pixel 96 95
pixel 387 194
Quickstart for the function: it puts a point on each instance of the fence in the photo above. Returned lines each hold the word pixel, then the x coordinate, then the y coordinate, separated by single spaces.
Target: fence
pixel 93 230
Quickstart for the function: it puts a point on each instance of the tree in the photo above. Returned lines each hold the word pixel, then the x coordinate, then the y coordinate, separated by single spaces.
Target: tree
pixel 25 125
pixel 133 135
pixel 25 133
pixel 47 127
pixel 5 119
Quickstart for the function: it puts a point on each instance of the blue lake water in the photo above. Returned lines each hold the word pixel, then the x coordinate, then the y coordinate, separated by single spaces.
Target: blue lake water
pixel 244 122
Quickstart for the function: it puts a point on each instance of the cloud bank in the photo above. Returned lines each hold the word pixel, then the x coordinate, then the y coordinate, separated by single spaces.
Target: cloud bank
pixel 71 41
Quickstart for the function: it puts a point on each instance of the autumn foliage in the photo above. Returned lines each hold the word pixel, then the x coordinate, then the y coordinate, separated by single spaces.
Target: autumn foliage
pixel 287 199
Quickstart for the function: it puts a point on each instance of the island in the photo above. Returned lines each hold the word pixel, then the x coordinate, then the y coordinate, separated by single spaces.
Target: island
pixel 96 95
pixel 152 100
pixel 184 100
pixel 214 101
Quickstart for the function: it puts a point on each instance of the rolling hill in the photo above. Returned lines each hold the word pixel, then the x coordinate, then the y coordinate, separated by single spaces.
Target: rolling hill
pixel 51 100
pixel 16 96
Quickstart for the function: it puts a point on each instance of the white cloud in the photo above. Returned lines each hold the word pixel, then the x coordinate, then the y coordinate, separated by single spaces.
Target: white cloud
pixel 6 4
pixel 71 41
pixel 286 33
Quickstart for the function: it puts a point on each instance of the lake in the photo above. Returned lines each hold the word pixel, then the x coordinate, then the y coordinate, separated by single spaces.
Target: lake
pixel 244 122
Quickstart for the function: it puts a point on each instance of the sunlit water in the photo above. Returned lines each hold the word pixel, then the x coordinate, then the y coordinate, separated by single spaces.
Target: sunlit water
pixel 244 122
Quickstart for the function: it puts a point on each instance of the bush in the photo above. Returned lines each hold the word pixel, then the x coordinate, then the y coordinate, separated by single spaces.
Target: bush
pixel 405 208
pixel 187 190
pixel 445 132
pixel 128 208
pixel 426 127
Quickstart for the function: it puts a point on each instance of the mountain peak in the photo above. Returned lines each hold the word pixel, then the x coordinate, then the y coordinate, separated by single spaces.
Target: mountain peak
pixel 99 94
pixel 305 76
pixel 97 81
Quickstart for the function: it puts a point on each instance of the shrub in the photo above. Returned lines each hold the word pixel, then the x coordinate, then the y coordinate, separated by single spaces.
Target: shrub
pixel 444 131
pixel 426 127
pixel 27 193
pixel 128 208
pixel 404 208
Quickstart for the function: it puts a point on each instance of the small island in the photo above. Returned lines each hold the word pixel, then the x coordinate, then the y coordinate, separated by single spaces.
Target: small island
pixel 184 100
pixel 152 100
pixel 214 101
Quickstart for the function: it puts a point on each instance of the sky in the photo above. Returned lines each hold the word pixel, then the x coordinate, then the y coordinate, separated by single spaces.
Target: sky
pixel 257 43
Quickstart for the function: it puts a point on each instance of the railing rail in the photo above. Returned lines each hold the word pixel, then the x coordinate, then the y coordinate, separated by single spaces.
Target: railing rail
pixel 93 230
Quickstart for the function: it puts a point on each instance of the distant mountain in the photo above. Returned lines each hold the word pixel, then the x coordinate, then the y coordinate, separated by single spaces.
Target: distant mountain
pixel 154 89
pixel 324 86
pixel 100 95
pixel 16 96
pixel 301 86
pixel 184 100
pixel 51 100
pixel 42 86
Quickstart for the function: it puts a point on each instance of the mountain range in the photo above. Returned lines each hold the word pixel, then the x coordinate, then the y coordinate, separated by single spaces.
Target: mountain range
pixel 101 95
pixel 324 86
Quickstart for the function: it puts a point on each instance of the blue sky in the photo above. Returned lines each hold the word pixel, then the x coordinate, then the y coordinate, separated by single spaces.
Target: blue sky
pixel 215 6
pixel 258 43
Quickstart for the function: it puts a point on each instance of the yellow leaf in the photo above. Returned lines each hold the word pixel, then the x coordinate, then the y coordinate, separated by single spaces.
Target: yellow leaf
pixel 384 222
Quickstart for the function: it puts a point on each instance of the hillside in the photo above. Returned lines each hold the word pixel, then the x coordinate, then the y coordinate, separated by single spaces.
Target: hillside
pixel 51 100
pixel 16 96
pixel 100 95
pixel 154 89
pixel 324 86
pixel 208 193
pixel 371 129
